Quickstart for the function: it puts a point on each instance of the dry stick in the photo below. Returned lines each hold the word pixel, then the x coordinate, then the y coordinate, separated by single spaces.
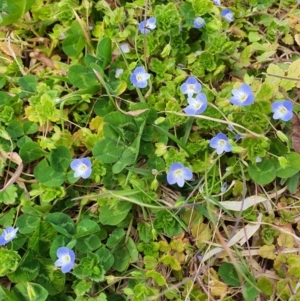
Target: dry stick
pixel 18 171
pixel 7 41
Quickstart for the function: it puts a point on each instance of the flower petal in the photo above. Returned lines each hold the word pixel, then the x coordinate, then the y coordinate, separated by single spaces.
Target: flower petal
pixel 187 173
pixel 180 182
pixel 171 178
pixel 176 166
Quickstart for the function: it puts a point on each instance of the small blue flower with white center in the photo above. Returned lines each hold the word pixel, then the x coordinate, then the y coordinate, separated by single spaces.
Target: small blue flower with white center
pixel 220 143
pixel 139 77
pixel 217 2
pixel 224 187
pixel 258 159
pixel 191 87
pixel 66 259
pixel 179 174
pixel 125 47
pixel 228 15
pixel 82 167
pixel 196 105
pixel 199 22
pixel 119 72
pixel 282 109
pixel 8 235
pixel 148 25
pixel 242 96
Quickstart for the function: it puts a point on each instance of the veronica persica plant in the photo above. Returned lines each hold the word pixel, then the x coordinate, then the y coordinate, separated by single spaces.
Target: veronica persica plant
pixel 8 235
pixel 139 77
pixel 118 72
pixel 196 105
pixel 148 25
pixel 179 174
pixel 66 259
pixel 282 109
pixel 228 15
pixel 82 167
pixel 191 87
pixel 199 22
pixel 217 2
pixel 125 47
pixel 243 96
pixel 220 143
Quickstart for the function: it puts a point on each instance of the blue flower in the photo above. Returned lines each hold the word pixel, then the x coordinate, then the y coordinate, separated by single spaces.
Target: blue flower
pixel 8 235
pixel 220 143
pixel 66 259
pixel 148 25
pixel 242 96
pixel 282 109
pixel 125 47
pixel 119 72
pixel 82 167
pixel 258 159
pixel 224 187
pixel 191 87
pixel 228 15
pixel 179 174
pixel 139 77
pixel 199 22
pixel 217 2
pixel 196 105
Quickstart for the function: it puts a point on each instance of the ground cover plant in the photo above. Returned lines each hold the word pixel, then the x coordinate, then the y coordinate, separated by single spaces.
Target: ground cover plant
pixel 149 150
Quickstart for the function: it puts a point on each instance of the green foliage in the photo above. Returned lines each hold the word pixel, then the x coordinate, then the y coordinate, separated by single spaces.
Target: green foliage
pixel 10 260
pixel 67 93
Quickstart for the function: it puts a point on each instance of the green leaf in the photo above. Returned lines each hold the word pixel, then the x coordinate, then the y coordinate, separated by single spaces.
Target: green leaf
pixel 27 223
pixel 30 292
pixel 157 277
pixel 292 183
pixel 114 214
pixel 121 256
pixel 9 195
pixel 115 237
pixel 116 87
pixel 47 176
pixel 73 45
pixel 262 173
pixel 31 151
pixel 47 236
pixel 81 287
pixel 53 280
pixel 228 274
pixel 104 52
pixel 145 232
pixel 293 166
pixel 9 261
pixel 103 106
pixel 82 77
pixel 11 11
pixel 15 129
pixel 27 270
pixel 30 127
pixel 88 243
pixel 28 83
pixel 60 158
pixel 106 259
pixel 62 223
pixel 132 250
pixel 249 290
pixel 90 268
pixel 188 12
pixel 6 295
pixel 7 218
pixel 265 285
pixel 108 150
